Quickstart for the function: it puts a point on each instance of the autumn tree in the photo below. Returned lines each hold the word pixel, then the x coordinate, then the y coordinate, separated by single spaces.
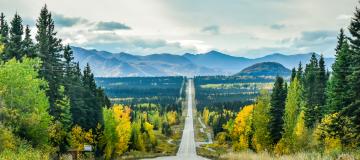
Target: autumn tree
pixel 261 119
pixel 242 130
pixel 117 130
pixel 292 109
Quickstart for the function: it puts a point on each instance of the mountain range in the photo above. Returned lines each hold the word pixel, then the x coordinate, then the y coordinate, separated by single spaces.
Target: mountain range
pixel 107 64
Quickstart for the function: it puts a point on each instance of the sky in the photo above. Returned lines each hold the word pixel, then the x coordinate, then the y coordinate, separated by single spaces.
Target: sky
pixel 248 28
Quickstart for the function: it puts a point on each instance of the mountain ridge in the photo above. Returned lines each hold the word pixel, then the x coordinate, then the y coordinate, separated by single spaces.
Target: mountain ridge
pixel 188 64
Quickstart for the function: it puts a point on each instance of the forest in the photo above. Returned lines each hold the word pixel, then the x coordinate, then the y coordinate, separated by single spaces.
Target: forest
pixel 50 108
pixel 314 115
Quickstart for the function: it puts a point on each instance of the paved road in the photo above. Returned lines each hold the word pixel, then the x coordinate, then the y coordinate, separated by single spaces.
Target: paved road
pixel 187 150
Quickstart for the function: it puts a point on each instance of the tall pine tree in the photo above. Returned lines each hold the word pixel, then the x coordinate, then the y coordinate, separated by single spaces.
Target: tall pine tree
pixel 49 50
pixel 4 28
pixel 353 110
pixel 14 48
pixel 277 107
pixel 28 45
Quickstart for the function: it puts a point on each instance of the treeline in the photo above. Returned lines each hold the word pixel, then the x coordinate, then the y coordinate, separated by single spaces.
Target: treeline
pixel 316 112
pixel 47 104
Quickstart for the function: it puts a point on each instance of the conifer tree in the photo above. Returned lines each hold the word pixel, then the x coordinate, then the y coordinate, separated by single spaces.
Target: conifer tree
pixel 14 48
pixel 337 97
pixel 353 110
pixel 293 74
pixel 49 50
pixel 277 106
pixel 28 45
pixel 4 28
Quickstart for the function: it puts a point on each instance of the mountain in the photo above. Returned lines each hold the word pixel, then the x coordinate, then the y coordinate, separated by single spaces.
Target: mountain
pixel 230 64
pixel 106 64
pixel 265 69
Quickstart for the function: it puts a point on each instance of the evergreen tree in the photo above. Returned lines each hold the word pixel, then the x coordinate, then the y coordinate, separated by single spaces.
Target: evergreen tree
pixel 353 110
pixel 310 86
pixel 28 45
pixel 94 108
pixel 299 73
pixel 337 97
pixel 49 50
pixel 293 74
pixel 14 48
pixel 277 106
pixel 4 28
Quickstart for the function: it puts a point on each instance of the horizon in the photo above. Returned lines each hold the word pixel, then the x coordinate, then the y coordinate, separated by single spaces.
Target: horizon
pixel 239 28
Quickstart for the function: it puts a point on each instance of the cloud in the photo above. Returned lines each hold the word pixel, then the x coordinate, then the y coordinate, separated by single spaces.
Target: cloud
pixel 277 26
pixel 213 29
pixel 316 38
pixel 344 17
pixel 64 21
pixel 111 26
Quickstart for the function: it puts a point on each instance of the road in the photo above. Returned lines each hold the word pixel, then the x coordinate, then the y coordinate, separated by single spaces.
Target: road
pixel 187 149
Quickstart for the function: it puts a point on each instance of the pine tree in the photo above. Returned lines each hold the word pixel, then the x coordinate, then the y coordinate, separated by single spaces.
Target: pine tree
pixel 28 45
pixel 310 86
pixel 94 108
pixel 277 104
pixel 4 28
pixel 299 73
pixel 49 50
pixel 353 110
pixel 14 48
pixel 293 74
pixel 337 97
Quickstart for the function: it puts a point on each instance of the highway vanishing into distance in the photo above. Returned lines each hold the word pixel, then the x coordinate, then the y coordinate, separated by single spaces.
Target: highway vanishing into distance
pixel 187 149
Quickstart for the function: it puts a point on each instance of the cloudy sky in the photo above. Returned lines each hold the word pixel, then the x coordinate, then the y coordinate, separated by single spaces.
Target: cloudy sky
pixel 249 28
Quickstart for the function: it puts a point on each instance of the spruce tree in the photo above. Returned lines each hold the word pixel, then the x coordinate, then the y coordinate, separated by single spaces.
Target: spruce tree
pixel 49 50
pixel 277 106
pixel 310 85
pixel 14 48
pixel 4 28
pixel 28 45
pixel 299 73
pixel 353 110
pixel 293 74
pixel 337 97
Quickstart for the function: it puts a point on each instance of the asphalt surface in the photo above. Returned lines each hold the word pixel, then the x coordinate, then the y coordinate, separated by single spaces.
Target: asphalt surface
pixel 187 149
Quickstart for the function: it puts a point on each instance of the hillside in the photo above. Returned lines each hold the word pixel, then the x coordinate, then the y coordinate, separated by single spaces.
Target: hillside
pixel 265 69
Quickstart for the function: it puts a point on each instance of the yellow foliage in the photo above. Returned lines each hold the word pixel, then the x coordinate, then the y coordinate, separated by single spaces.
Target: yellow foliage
pixel 206 116
pixel 7 139
pixel 79 137
pixel 242 128
pixel 149 128
pixel 119 123
pixel 171 117
pixel 332 145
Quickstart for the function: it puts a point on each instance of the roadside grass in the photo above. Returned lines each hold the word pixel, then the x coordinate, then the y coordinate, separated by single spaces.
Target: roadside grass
pixel 249 155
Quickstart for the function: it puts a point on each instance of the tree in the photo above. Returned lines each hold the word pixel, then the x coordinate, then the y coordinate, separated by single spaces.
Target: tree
pixel 277 107
pixel 4 28
pixel 242 130
pixel 28 46
pixel 14 48
pixel 93 106
pixel 49 50
pixel 117 131
pixel 337 97
pixel 353 110
pixel 292 109
pixel 26 104
pixel 293 74
pixel 136 139
pixel 261 119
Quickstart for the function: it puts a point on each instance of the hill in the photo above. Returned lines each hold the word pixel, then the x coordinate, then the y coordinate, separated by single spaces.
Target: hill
pixel 265 69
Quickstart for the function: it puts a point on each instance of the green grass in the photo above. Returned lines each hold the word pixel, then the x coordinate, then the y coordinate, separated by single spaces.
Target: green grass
pixel 238 86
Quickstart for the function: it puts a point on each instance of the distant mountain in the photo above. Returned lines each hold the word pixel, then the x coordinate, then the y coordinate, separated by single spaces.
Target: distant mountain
pixel 230 64
pixel 106 64
pixel 265 69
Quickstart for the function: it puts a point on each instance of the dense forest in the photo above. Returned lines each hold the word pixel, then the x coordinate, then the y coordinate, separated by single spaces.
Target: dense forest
pixel 317 113
pixel 50 108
